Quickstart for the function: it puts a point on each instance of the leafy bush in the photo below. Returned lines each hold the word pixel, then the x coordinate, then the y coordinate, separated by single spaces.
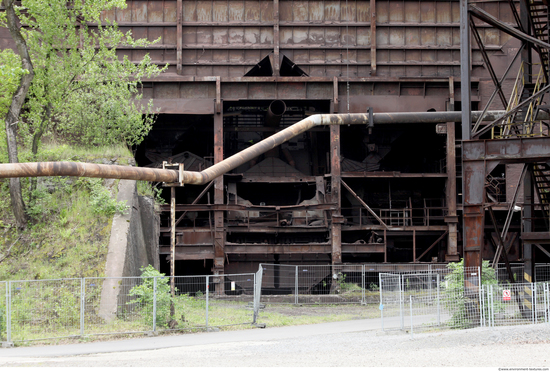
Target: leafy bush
pixel 464 310
pixel 144 296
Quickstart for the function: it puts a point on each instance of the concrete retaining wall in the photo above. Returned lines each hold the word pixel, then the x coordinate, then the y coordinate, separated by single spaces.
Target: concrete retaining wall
pixel 133 244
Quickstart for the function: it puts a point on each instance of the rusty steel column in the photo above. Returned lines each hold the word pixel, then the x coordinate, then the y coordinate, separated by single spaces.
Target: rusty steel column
pixel 219 228
pixel 335 171
pixel 473 217
pixel 179 35
pixel 528 214
pixel 452 218
pixel 172 248
pixel 373 37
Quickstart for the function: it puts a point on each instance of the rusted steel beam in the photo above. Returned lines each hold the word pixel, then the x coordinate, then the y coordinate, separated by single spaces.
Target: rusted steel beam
pixel 219 231
pixel 465 71
pixel 496 23
pixel 501 243
pixel 235 207
pixel 513 150
pixel 432 246
pixel 364 204
pixel 203 192
pixel 373 36
pixel 488 63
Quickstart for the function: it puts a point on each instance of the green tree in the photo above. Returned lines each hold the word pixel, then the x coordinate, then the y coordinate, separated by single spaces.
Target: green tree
pixel 82 92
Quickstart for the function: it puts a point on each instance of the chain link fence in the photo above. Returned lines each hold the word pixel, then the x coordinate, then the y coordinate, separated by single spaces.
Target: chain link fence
pixel 47 309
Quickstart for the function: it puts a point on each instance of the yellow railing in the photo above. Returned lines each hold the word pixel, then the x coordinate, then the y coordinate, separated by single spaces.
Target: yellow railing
pixel 522 125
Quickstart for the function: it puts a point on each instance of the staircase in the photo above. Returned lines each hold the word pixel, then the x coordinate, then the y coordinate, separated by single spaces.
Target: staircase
pixel 538 12
pixel 541 180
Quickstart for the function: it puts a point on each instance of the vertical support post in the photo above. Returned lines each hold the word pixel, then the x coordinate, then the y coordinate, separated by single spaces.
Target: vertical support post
pixel 438 303
pixel 411 311
pixel 414 245
pixel 465 70
pixel 154 304
pixel 363 284
pixel 385 247
pixel 528 261
pixel 336 226
pixel 172 249
pixel 8 317
pixel 534 311
pixel 373 37
pixel 452 218
pixel 401 301
pixel 296 286
pixel 335 95
pixel 276 42
pixel 207 294
pixel 219 228
pixel 82 304
pixel 179 31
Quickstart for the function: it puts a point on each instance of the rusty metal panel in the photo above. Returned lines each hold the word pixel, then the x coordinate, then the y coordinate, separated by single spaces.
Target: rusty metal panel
pixel 236 35
pixel 396 11
pixel 234 91
pixel 139 11
pixel 397 36
pixel 382 12
pixel 124 15
pixel 332 10
pixel 170 11
pixel 412 11
pixel 220 11
pixel 316 11
pixel 155 11
pixel 252 35
pixel 204 11
pixel 266 11
pixel 166 90
pixel 292 90
pixel 252 11
pixel 319 91
pixel 427 11
pixel 198 90
pixel 443 11
pixel 262 91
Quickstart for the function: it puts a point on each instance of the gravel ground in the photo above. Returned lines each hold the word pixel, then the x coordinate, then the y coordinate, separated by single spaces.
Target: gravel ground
pixel 511 347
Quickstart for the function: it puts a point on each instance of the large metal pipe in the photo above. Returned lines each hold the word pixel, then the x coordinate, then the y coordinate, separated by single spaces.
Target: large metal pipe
pixel 276 110
pixel 36 169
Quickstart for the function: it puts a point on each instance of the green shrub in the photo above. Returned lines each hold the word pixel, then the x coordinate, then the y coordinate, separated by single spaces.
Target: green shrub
pixel 464 309
pixel 144 296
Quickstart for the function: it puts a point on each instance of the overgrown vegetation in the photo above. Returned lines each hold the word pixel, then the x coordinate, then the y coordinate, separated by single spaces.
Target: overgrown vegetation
pixel 464 310
pixel 72 217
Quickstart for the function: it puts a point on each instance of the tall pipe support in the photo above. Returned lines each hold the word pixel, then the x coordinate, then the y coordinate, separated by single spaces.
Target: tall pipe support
pixel 37 169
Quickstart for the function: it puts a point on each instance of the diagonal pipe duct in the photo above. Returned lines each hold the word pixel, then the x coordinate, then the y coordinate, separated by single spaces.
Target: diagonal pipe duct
pixel 39 169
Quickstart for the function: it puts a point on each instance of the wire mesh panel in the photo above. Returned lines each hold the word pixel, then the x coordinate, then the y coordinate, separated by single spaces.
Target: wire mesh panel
pixel 391 300
pixel 542 272
pixel 190 303
pixel 510 304
pixel 44 309
pixel 3 310
pixel 279 283
pixel 461 302
pixel 502 274
pixel 422 296
pixel 231 300
pixel 118 305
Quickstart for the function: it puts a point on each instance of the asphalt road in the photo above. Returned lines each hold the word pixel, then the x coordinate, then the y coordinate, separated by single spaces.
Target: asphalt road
pixel 352 343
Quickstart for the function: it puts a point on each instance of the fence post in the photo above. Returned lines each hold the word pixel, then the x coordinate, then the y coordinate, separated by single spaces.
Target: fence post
pixel 8 317
pixel 296 286
pixel 401 301
pixel 154 304
pixel 381 299
pixel 82 304
pixel 534 307
pixel 482 305
pixel 207 294
pixel 363 284
pixel 438 303
pixel 411 306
